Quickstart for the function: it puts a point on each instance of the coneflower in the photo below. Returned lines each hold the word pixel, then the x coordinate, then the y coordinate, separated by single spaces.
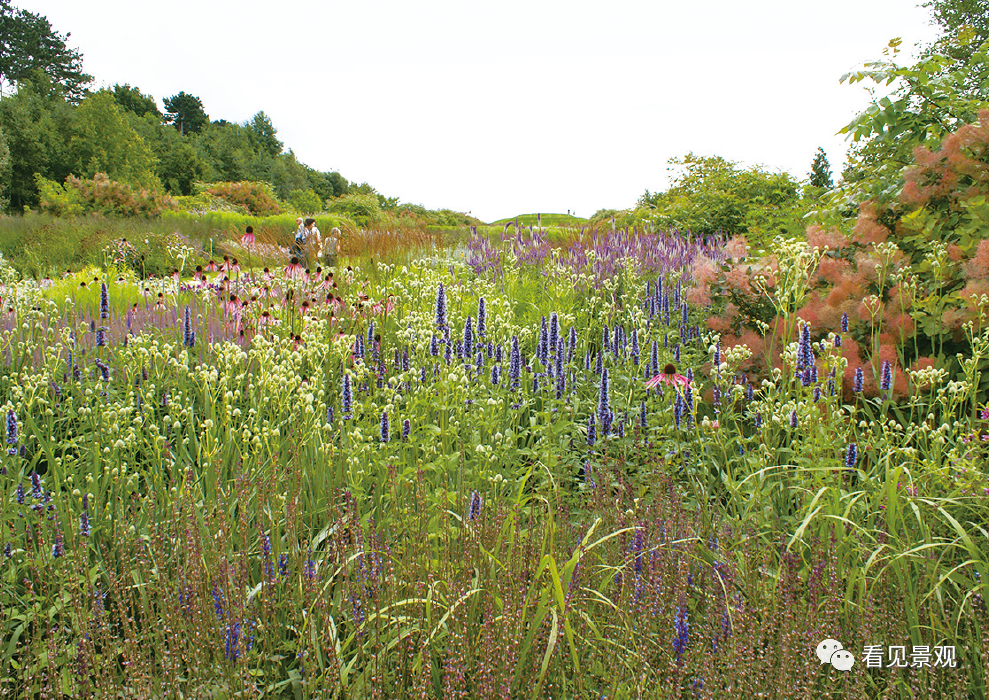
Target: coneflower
pixel 384 426
pixel 482 318
pixel 440 308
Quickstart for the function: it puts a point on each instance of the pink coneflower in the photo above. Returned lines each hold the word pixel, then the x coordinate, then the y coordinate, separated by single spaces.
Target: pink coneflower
pixel 293 269
pixel 328 282
pixel 231 305
pixel 160 304
pixel 306 276
pixel 266 319
pixel 266 292
pixel 233 267
pixel 175 274
pixel 305 307
pixel 46 283
pixel 329 299
pixel 668 376
pixel 225 284
pixel 248 238
pixel 225 266
pixel 211 267
pixel 266 275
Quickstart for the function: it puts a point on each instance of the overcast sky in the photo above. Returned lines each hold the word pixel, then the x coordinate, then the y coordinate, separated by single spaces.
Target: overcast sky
pixel 510 107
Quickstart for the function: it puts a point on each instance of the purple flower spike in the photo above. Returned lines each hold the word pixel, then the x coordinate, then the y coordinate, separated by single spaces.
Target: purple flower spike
pixel 441 308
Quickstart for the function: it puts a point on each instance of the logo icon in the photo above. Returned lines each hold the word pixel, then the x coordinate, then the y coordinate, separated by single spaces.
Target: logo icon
pixel 831 652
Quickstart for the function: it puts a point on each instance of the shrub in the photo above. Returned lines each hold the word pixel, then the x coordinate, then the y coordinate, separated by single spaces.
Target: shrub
pixel 255 197
pixel 100 195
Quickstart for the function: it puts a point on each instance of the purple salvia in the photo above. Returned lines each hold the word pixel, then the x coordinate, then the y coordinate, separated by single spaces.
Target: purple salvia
pixel 591 431
pixel 859 380
pixel 793 419
pixel 844 323
pixel 496 374
pixel 886 381
pixel 851 455
pixel 406 428
pixel 347 397
pixel 434 346
pixel 468 337
pixel 104 301
pixel 474 507
pixel 604 403
pixel 440 308
pixel 643 420
pixel 384 426
pixel 12 431
pixel 571 344
pixel 482 317
pixel 514 365
pixel 554 332
pixel 542 349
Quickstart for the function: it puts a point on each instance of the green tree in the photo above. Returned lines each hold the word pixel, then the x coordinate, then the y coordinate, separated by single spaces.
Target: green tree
pixel 930 99
pixel 186 113
pixel 28 43
pixel 36 121
pixel 130 99
pixel 820 171
pixel 103 141
pixel 713 195
pixel 263 135
pixel 305 201
pixel 226 150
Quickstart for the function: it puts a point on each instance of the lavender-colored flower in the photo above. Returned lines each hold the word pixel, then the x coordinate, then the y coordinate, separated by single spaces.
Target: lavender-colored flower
pixel 758 420
pixel 805 353
pixel 283 564
pixel 805 377
pixel 406 428
pixel 447 352
pixel 542 349
pixel 561 384
pixel 679 409
pixel 588 474
pixel 837 341
pixel 643 418
pixel 370 333
pixel 499 352
pixel 571 344
pixel 681 630
pixel 554 332
pixel 36 492
pixel 605 339
pixel 635 345
pixel 474 506
pixel 58 549
pixel 468 337
pixel 84 528
pixel 851 455
pixel 104 301
pixel 859 379
pixel 20 493
pixel 591 431
pixel 482 318
pixel 309 571
pixel 104 370
pixel 817 394
pixel 233 639
pixel 384 426
pixel 604 401
pixel 12 432
pixel 434 347
pixel 329 414
pixel 887 376
pixel 793 419
pixel 347 397
pixel 101 337
pixel 440 308
pixel 749 392
pixel 496 375
pixel 514 364
pixel 676 353
pixel 587 360
pixel 844 323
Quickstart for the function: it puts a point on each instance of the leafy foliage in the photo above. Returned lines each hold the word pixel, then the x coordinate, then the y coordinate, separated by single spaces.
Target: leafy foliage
pixel 29 44
pixel 820 171
pixel 100 195
pixel 186 113
pixel 130 99
pixel 712 195
pixel 254 197
pixel 103 141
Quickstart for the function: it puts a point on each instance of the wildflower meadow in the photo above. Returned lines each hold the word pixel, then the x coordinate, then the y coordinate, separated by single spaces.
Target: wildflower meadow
pixel 506 469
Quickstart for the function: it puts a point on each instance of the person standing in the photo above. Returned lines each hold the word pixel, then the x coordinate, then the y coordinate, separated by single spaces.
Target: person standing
pixel 332 247
pixel 314 241
pixel 298 245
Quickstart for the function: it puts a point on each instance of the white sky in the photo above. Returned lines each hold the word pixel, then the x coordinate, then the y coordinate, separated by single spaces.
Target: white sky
pixel 510 107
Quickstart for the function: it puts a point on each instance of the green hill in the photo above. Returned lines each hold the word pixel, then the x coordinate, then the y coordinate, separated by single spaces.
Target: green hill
pixel 544 220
